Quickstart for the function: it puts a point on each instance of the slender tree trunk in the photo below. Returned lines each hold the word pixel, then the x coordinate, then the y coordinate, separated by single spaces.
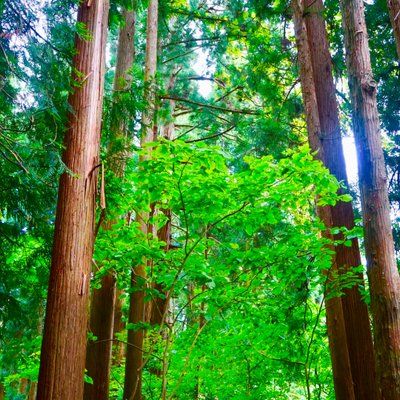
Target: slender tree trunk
pixel 32 391
pixel 379 248
pixel 342 376
pixel 150 72
pixel 394 13
pixel 119 349
pixel 119 131
pixel 122 82
pixel 98 357
pixel 358 329
pixel 23 386
pixel 201 322
pixel 159 305
pixel 134 352
pixel 64 341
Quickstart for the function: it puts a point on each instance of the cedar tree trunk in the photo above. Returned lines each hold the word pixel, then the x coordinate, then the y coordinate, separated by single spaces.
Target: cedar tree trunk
pixel 358 329
pixel 159 304
pixel 134 351
pixel 342 376
pixel 98 357
pixel 62 361
pixel 98 353
pixel 394 13
pixel 379 248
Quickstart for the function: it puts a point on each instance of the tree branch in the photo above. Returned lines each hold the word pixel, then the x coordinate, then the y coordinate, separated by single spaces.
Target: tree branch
pixel 212 106
pixel 212 136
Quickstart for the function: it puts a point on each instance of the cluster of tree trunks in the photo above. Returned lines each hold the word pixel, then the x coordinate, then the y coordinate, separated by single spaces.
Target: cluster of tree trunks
pixel 351 321
pixel 356 362
pixel 382 270
pixel 340 358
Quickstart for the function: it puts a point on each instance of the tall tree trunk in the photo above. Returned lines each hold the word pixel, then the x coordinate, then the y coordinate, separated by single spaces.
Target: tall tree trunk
pixel 167 130
pixel 150 70
pixel 134 351
pixel 394 13
pixel 122 82
pixel 341 368
pixel 358 329
pixel 64 341
pixel 103 302
pixel 98 356
pixel 119 128
pixel 379 248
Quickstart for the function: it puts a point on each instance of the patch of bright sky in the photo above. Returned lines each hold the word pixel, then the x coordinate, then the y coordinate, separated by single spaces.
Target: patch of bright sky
pixel 19 43
pixel 202 65
pixel 39 23
pixel 350 156
pixel 203 68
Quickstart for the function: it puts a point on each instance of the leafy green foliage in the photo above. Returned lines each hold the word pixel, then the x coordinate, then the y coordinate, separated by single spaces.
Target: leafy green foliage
pixel 245 269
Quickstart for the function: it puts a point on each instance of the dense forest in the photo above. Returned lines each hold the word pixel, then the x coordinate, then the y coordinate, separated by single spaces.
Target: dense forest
pixel 176 218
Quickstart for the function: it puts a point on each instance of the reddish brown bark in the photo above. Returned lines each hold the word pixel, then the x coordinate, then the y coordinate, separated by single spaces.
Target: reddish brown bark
pixel 64 340
pixel 122 82
pixel 394 13
pixel 32 391
pixel 379 248
pixel 150 72
pixel 358 330
pixel 119 132
pixel 98 354
pixel 103 302
pixel 134 351
pixel 342 376
pixel 23 386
